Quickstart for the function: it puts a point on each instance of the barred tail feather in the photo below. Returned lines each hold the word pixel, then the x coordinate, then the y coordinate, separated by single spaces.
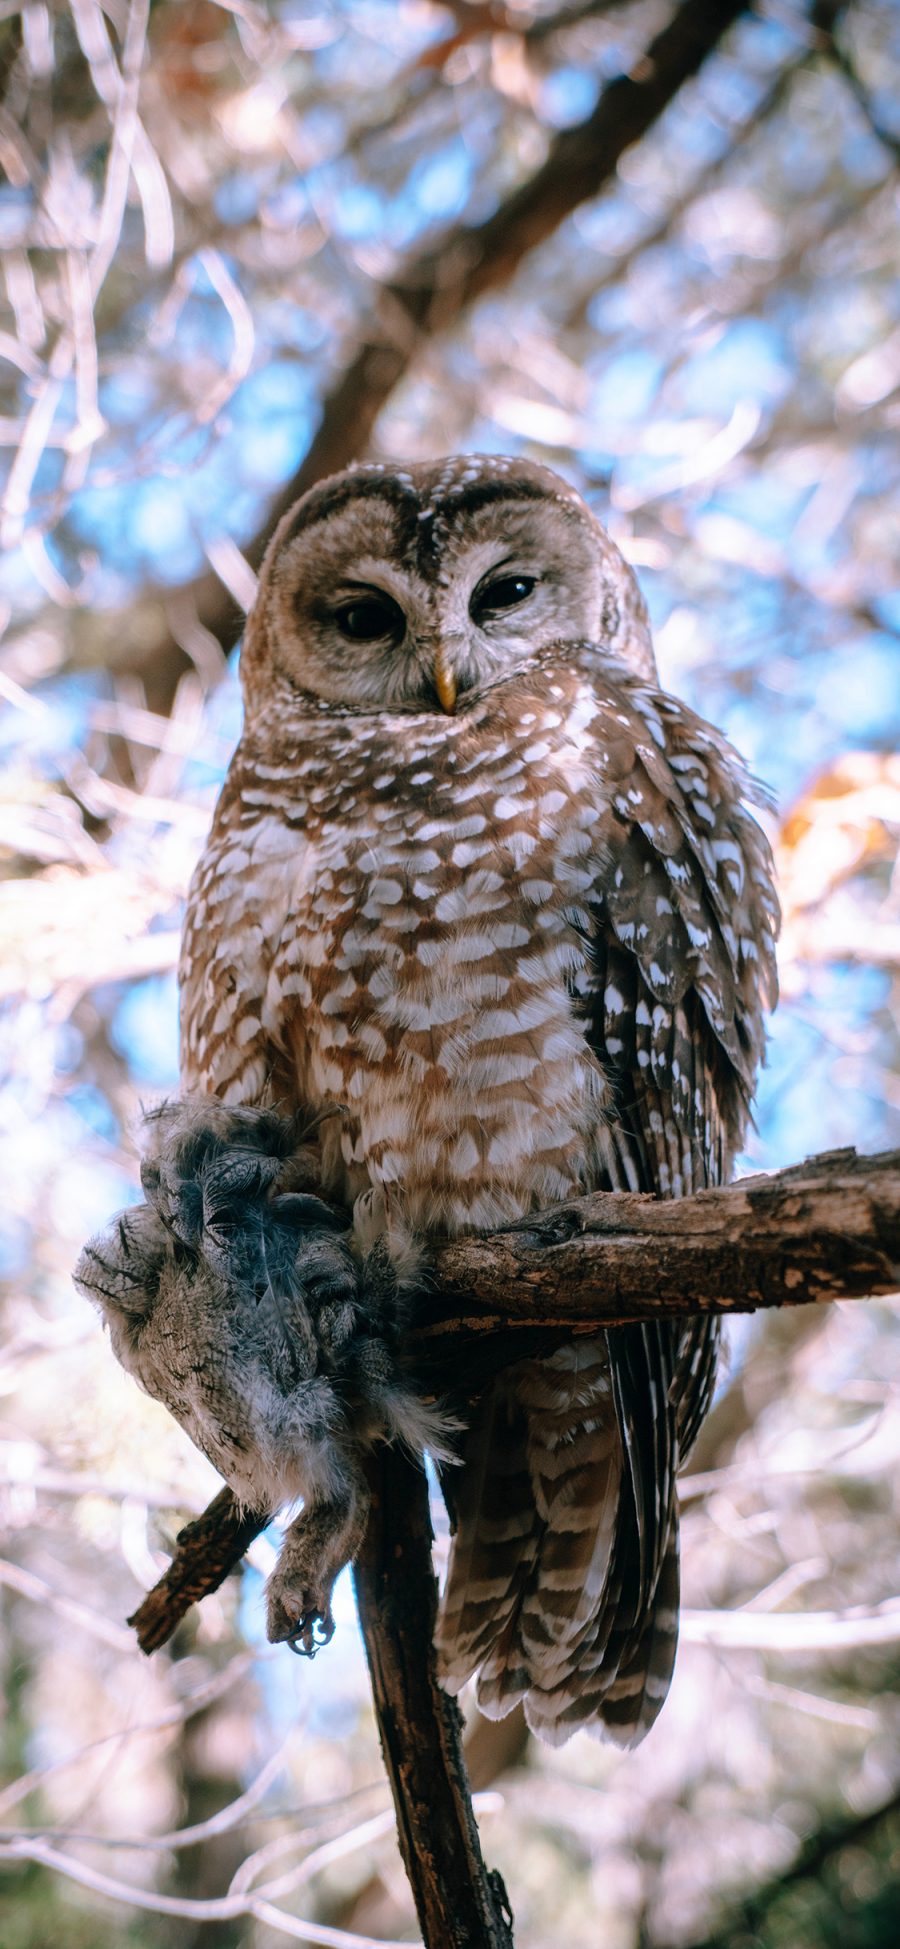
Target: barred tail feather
pixel 573 1476
pixel 636 1697
pixel 497 1530
pixel 563 1580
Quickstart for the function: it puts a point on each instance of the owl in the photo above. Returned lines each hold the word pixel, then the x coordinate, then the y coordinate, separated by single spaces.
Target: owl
pixel 487 909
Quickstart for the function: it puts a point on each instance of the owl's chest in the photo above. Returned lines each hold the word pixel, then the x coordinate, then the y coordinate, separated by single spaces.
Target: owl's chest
pixel 438 955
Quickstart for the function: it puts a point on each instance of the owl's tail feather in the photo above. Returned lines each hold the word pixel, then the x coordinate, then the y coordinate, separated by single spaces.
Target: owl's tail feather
pixel 549 1590
pixel 618 1684
pixel 497 1535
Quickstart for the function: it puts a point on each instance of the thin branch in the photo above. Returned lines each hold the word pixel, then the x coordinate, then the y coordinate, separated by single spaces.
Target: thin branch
pixel 798 1632
pixel 224 1908
pixel 26 1584
pixel 219 1686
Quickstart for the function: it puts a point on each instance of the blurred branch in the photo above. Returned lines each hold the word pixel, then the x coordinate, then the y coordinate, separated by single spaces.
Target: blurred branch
pixel 40 1592
pixel 816 1853
pixel 492 17
pixel 799 1632
pixel 750 126
pixel 546 25
pixel 222 1909
pixel 436 286
pixel 824 19
pixel 219 1686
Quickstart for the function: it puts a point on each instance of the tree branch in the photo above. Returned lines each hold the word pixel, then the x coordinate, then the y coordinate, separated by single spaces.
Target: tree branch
pixel 206 1551
pixel 431 292
pixel 823 1230
pixel 460 1903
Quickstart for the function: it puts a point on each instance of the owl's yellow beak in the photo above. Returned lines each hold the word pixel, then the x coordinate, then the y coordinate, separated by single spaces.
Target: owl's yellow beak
pixel 444 682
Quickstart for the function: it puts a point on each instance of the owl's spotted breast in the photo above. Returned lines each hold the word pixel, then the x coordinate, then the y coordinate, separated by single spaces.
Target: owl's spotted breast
pixel 434 927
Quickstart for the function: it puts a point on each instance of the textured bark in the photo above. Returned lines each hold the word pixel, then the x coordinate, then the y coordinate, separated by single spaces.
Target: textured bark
pixel 460 1903
pixel 430 293
pixel 824 1230
pixel 207 1550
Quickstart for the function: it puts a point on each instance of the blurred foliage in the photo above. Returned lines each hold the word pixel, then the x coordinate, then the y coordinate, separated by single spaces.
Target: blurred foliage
pixel 203 213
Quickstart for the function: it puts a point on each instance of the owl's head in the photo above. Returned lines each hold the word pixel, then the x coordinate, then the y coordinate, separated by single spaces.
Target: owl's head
pixel 417 588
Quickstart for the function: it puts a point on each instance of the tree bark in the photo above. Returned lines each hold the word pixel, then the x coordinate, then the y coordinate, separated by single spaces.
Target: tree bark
pixel 823 1230
pixel 206 1550
pixel 460 1903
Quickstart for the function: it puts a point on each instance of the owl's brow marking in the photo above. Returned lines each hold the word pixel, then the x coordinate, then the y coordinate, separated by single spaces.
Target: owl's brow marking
pixel 455 503
pixel 326 501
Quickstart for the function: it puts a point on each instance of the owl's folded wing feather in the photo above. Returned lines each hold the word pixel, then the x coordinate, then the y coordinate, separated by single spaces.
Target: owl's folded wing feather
pixel 681 935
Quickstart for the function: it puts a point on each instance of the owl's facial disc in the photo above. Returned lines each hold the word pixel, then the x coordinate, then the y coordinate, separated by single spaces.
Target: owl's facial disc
pixel 406 592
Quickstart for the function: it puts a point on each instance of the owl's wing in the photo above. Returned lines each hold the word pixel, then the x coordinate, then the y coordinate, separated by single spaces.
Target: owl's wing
pixel 684 955
pixel 683 949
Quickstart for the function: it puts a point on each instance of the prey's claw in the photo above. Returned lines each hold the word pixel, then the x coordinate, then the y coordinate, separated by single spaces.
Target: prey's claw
pixel 304 1642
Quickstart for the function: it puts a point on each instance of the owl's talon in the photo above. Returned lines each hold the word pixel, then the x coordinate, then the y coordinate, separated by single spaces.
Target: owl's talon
pixel 211 1177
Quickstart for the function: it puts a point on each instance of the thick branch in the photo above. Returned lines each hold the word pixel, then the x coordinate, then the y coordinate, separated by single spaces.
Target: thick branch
pixel 824 1230
pixel 435 287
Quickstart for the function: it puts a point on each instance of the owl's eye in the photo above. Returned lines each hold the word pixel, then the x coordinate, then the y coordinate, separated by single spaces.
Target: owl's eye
pixel 505 593
pixel 371 618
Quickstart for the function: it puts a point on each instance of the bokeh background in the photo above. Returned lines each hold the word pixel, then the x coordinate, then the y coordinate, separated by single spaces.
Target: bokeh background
pixel 241 240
